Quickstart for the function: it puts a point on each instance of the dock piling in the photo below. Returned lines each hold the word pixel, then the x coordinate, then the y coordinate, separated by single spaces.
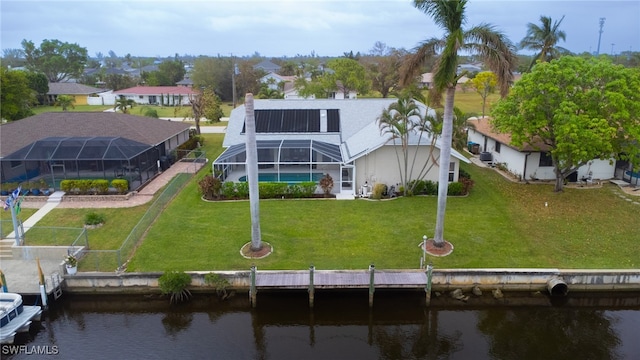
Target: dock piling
pixel 311 288
pixel 428 284
pixel 372 284
pixel 253 290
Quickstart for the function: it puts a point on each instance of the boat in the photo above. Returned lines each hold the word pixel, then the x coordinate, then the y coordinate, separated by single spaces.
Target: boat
pixel 15 317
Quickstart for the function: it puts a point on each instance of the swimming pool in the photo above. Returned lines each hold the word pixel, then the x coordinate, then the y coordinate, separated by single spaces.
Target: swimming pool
pixel 286 177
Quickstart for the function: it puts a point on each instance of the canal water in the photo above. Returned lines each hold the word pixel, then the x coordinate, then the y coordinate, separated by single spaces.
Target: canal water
pixel 340 326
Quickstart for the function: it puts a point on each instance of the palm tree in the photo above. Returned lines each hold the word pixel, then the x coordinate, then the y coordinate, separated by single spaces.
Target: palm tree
pixel 65 101
pixel 482 40
pixel 543 40
pixel 123 104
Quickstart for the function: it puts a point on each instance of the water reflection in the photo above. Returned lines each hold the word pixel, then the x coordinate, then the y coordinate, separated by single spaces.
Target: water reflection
pixel 340 326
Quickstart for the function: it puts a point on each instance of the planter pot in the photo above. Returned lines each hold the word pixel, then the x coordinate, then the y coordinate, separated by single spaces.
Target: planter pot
pixel 35 191
pixel 71 270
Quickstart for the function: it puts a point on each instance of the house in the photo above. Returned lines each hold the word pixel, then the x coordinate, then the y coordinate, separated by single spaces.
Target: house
pixel 79 92
pixel 273 80
pixel 159 95
pixel 267 66
pixel 305 139
pixel 530 161
pixel 70 145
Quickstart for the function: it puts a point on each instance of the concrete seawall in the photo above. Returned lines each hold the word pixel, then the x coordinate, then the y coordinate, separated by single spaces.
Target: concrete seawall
pixel 443 280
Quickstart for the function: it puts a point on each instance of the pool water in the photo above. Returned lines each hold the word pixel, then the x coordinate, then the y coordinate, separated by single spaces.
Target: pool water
pixel 286 177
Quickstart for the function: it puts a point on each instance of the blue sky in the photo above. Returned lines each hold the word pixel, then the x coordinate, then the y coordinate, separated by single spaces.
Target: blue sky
pixel 290 27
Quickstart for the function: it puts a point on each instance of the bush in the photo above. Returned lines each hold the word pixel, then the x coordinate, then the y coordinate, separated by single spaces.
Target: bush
pixel 430 188
pixel 467 184
pixel 242 190
pixel 302 190
pixel 174 283
pixel 121 185
pixel 326 184
pixel 93 218
pixel 100 186
pixel 210 187
pixel 67 185
pixel 378 191
pixel 455 189
pixel 219 283
pixel 83 186
pixel 272 190
pixel 229 190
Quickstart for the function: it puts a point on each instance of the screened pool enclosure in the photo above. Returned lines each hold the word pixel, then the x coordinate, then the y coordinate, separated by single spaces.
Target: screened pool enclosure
pixel 57 158
pixel 288 161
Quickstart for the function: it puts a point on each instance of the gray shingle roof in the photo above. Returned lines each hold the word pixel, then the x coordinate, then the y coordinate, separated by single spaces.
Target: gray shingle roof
pixel 72 89
pixel 17 134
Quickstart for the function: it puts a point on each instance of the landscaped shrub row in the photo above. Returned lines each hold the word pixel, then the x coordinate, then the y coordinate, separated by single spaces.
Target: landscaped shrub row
pixel 428 187
pixel 212 189
pixel 93 186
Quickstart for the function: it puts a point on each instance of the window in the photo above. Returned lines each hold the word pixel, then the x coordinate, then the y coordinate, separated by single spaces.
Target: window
pixel 452 171
pixel 498 147
pixel 545 159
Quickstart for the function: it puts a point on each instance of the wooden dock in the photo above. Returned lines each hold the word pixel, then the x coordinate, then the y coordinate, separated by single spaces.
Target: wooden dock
pixel 337 279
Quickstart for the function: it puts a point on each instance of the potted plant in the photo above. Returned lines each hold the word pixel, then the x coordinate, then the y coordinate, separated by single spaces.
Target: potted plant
pixel 71 263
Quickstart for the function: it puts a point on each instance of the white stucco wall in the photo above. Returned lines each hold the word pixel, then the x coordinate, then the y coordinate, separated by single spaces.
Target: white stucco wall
pixel 381 166
pixel 514 160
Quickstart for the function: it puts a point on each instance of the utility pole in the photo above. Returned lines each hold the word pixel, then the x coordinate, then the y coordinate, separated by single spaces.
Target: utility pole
pixel 600 35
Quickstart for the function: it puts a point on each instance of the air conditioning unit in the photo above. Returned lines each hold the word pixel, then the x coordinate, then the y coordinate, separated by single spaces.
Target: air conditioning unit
pixel 485 156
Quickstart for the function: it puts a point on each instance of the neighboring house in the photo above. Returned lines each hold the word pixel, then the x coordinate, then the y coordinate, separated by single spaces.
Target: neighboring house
pixel 305 139
pixel 68 145
pixel 80 93
pixel 267 66
pixel 426 80
pixel 185 82
pixel 159 95
pixel 531 161
pixel 273 80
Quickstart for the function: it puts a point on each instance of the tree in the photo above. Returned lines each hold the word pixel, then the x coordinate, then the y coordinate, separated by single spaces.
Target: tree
pixel 16 98
pixel 65 102
pixel 581 109
pixel 543 40
pixel 404 120
pixel 170 72
pixel 39 83
pixel 485 84
pixel 123 104
pixel 483 40
pixel 206 105
pixel 12 57
pixel 382 68
pixel 344 75
pixel 55 59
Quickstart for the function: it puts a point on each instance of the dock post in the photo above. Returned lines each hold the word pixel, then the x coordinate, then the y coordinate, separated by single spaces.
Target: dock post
pixel 253 290
pixel 311 288
pixel 372 284
pixel 428 285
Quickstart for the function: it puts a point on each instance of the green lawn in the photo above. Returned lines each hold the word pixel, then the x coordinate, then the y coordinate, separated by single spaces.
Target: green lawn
pixel 500 224
pixel 77 108
pixel 163 111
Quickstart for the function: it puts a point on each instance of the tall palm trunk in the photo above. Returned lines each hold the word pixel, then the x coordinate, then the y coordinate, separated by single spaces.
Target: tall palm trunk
pixel 445 159
pixel 252 173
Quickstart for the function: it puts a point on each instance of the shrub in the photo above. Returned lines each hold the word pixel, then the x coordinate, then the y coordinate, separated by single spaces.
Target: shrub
pixel 467 184
pixel 455 189
pixel 464 174
pixel 378 191
pixel 83 186
pixel 229 190
pixel 100 186
pixel 219 283
pixel 121 185
pixel 67 185
pixel 242 190
pixel 326 184
pixel 174 283
pixel 270 190
pixel 93 218
pixel 302 190
pixel 430 188
pixel 210 187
